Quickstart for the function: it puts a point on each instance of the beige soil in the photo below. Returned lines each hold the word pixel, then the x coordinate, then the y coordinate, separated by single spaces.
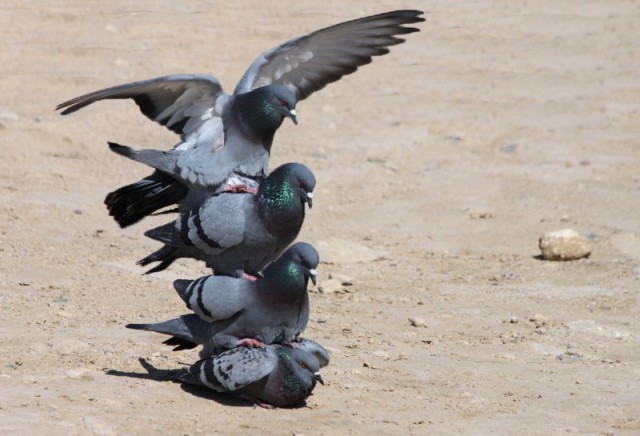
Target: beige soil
pixel 499 121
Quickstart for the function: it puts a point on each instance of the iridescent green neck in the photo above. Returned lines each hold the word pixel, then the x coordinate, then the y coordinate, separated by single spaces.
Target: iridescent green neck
pixel 279 204
pixel 258 114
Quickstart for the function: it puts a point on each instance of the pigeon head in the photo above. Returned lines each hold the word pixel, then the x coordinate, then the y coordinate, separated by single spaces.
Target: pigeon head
pixel 306 365
pixel 284 100
pixel 307 257
pixel 283 195
pixel 316 349
pixel 263 109
pixel 301 180
pixel 306 182
pixel 291 272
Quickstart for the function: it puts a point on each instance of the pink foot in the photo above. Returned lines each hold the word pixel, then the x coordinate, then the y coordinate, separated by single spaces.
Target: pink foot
pixel 240 187
pixel 249 342
pixel 255 402
pixel 249 277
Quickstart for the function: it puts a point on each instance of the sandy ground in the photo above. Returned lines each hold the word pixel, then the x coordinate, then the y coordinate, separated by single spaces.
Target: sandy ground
pixel 449 157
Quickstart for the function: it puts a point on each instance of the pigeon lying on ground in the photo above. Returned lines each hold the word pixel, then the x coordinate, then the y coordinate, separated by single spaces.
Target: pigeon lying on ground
pixel 236 311
pixel 222 135
pixel 274 376
pixel 239 232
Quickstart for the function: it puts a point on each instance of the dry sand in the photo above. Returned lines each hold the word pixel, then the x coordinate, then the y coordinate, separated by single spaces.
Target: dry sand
pixel 499 121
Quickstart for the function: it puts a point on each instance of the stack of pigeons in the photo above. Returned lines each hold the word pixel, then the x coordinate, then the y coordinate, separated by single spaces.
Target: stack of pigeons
pixel 235 215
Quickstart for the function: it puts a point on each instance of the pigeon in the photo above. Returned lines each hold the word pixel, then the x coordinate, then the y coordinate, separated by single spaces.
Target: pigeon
pixel 237 311
pixel 223 135
pixel 274 376
pixel 236 233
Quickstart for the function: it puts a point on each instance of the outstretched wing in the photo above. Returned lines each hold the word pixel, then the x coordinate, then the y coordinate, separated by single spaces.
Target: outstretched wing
pixel 309 63
pixel 234 369
pixel 183 102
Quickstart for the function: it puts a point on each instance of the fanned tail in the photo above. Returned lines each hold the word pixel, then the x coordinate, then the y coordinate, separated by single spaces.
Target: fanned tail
pixel 133 202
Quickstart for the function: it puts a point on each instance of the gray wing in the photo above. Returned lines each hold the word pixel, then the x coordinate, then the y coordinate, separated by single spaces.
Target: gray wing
pixel 216 298
pixel 309 63
pixel 183 103
pixel 234 369
pixel 219 224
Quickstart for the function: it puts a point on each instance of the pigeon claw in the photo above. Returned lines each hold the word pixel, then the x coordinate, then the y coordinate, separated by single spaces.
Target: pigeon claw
pixel 249 277
pixel 250 343
pixel 239 188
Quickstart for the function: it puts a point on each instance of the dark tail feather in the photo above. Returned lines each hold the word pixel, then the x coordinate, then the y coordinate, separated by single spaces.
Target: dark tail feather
pixel 166 255
pixel 181 286
pixel 162 234
pixel 180 344
pixel 133 202
pixel 160 160
pixel 187 331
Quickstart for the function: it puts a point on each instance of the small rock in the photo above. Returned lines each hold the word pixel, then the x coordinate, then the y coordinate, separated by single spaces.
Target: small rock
pixel 66 346
pixel 416 322
pixel 97 426
pixel 331 286
pixel 507 356
pixel 480 214
pixel 335 251
pixel 380 353
pixel 75 373
pixel 564 244
pixel 39 119
pixel 344 279
pixel 592 327
pixel 459 136
pixel 9 116
pixel 509 148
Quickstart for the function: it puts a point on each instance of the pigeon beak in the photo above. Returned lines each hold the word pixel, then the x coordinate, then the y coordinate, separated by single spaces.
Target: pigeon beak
pixel 313 273
pixel 318 377
pixel 294 116
pixel 310 199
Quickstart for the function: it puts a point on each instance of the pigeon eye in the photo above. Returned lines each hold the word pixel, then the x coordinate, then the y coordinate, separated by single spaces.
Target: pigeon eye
pixel 303 366
pixel 283 102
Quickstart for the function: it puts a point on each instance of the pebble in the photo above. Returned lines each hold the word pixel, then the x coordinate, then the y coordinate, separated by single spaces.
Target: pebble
pixel 337 251
pixel 97 426
pixel 380 353
pixel 509 148
pixel 507 356
pixel 344 279
pixel 480 214
pixel 9 116
pixel 591 327
pixel 564 244
pixel 416 322
pixel 66 346
pixel 331 286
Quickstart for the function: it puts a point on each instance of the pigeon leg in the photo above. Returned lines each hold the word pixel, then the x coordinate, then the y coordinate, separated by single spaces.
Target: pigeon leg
pixel 249 342
pixel 249 277
pixel 255 402
pixel 294 342
pixel 239 187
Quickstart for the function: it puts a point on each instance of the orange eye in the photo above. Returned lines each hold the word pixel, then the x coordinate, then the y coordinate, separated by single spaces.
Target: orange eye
pixel 303 365
pixel 283 102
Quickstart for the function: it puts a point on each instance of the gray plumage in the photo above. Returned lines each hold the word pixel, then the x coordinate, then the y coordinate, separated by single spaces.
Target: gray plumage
pixel 239 232
pixel 224 134
pixel 271 309
pixel 274 376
